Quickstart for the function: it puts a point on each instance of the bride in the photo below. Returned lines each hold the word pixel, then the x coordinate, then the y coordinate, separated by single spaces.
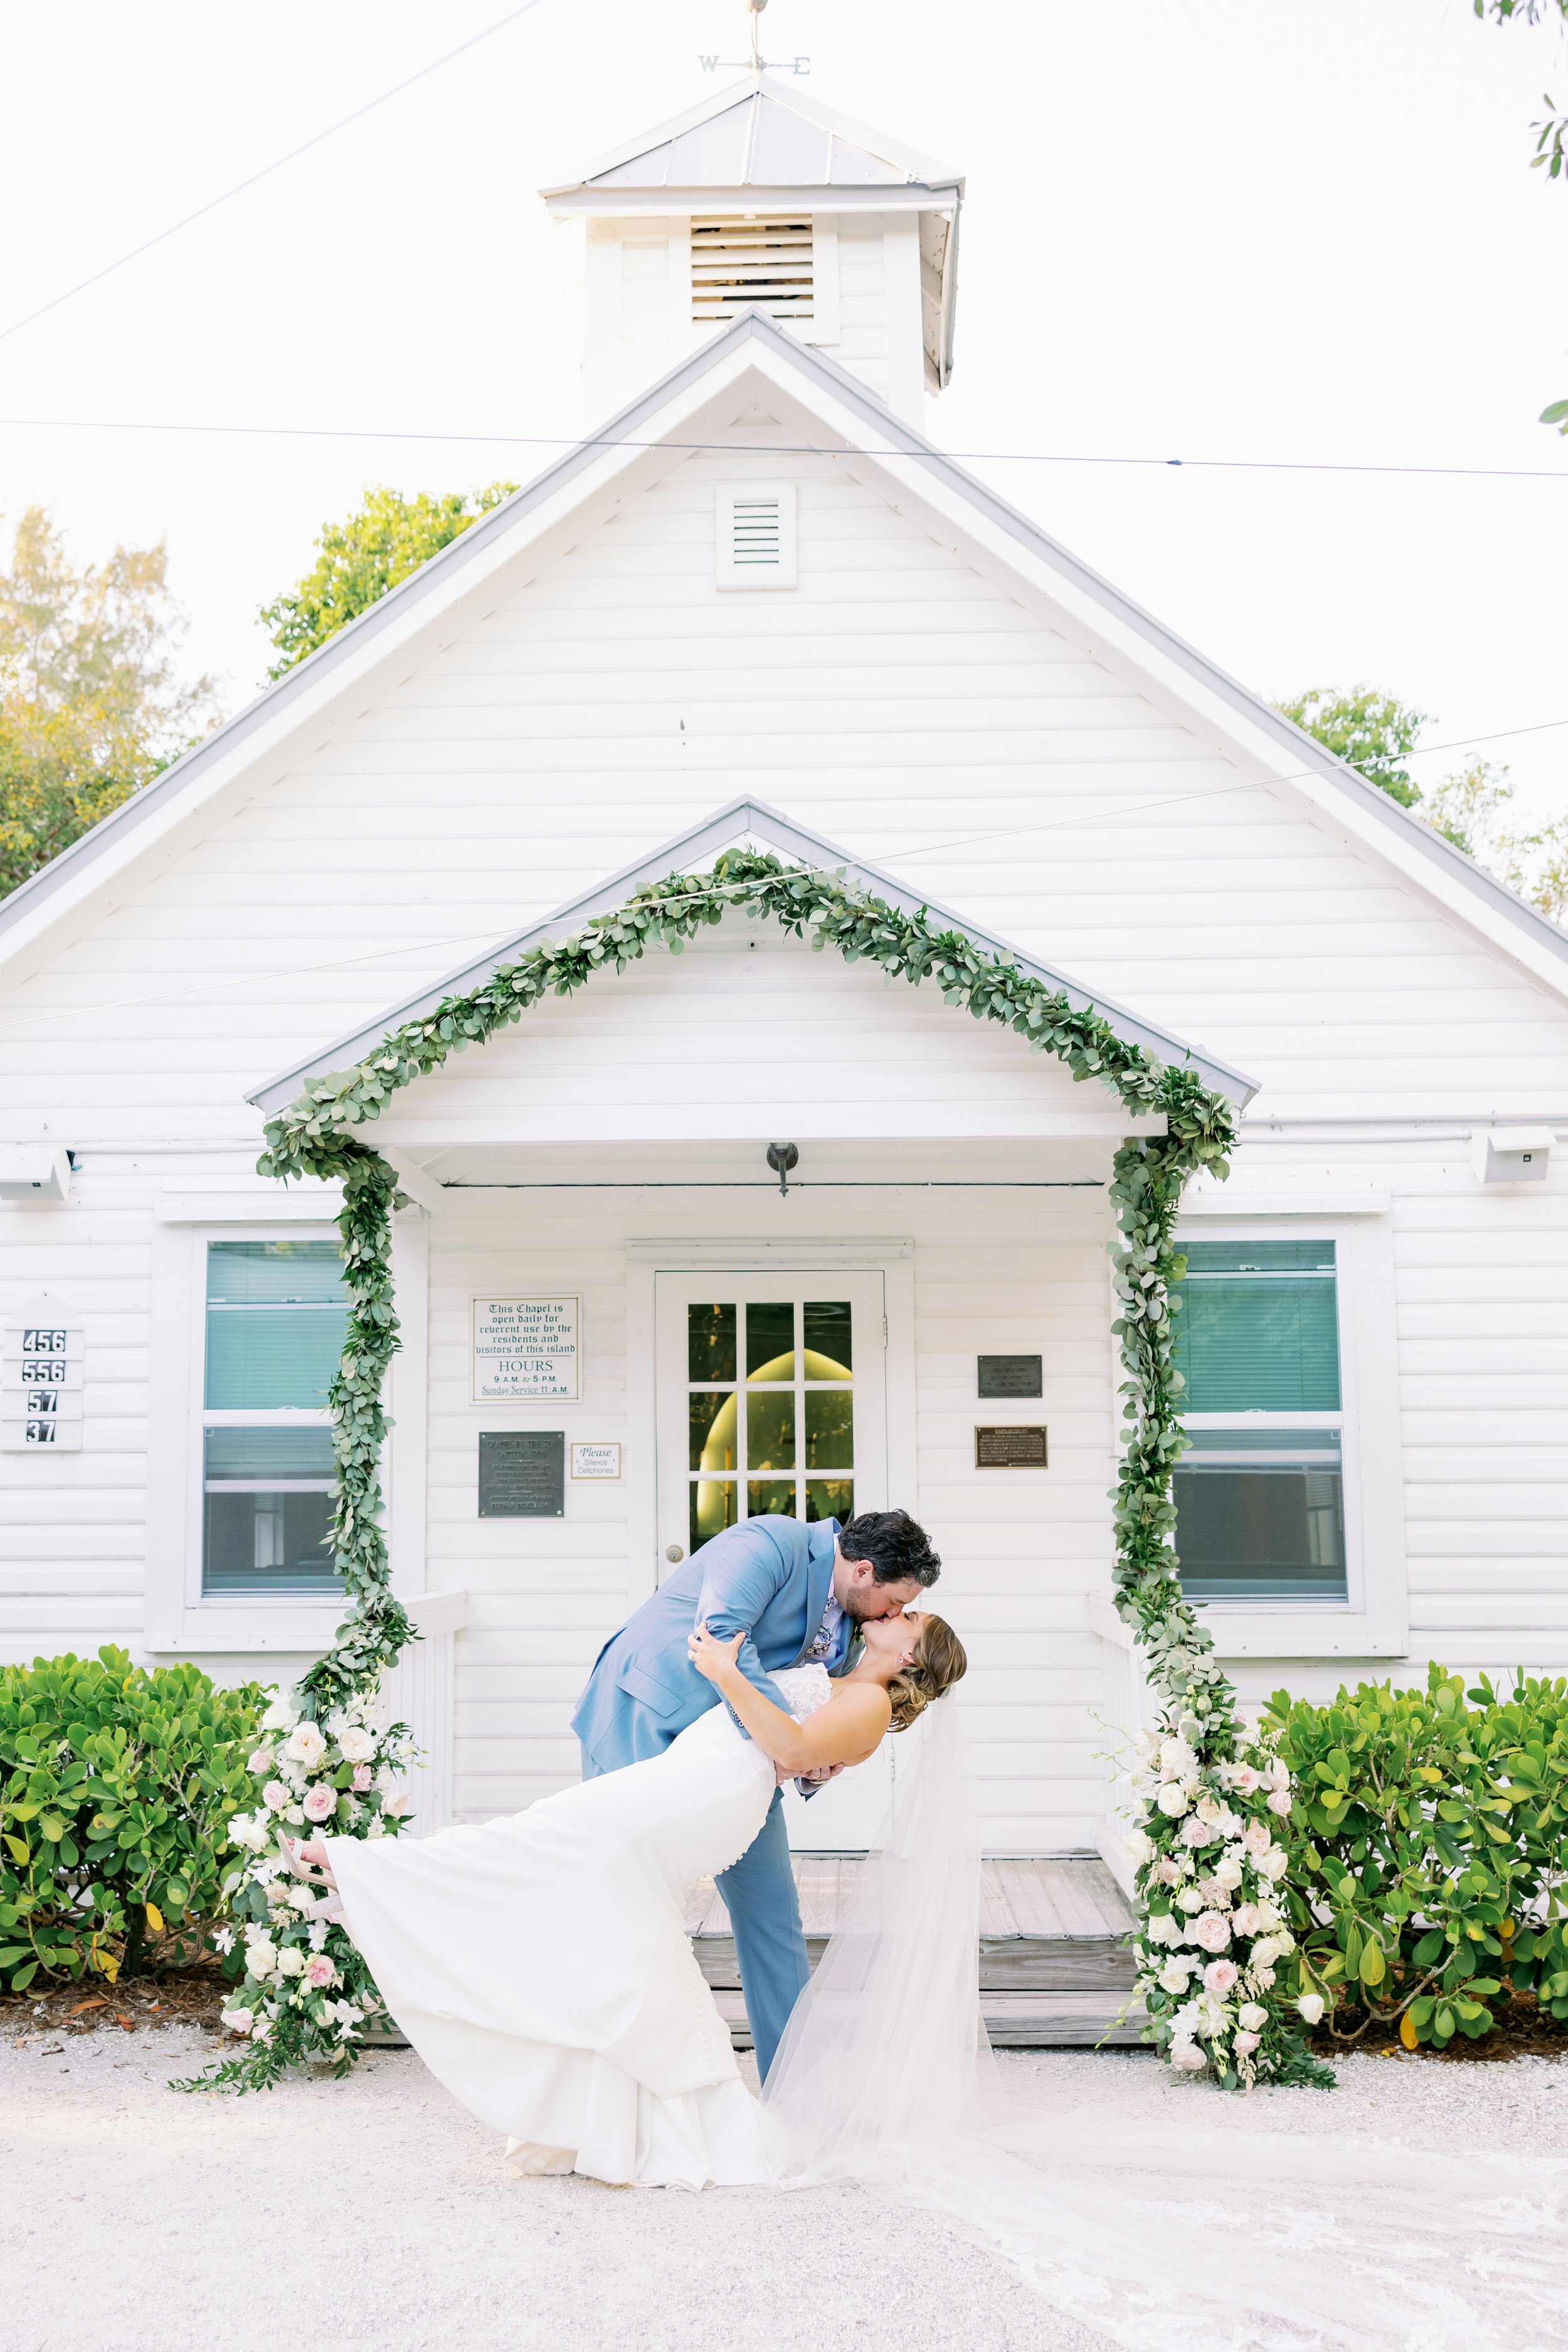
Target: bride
pixel 540 1964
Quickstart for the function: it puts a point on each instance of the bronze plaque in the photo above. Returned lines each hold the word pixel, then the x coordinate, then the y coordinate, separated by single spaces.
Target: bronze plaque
pixel 1010 1449
pixel 1010 1376
pixel 522 1474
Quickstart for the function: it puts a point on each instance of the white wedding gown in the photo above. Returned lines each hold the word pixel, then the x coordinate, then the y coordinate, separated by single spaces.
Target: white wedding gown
pixel 540 1964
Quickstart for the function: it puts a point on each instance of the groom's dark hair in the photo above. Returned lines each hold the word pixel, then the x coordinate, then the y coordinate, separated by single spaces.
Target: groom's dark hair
pixel 898 1549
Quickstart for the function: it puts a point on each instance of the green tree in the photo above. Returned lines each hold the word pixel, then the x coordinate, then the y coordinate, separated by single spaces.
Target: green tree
pixel 381 542
pixel 1551 134
pixel 91 704
pixel 1373 732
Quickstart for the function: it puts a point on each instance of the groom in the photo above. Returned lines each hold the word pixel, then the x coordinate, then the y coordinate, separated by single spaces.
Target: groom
pixel 799 1591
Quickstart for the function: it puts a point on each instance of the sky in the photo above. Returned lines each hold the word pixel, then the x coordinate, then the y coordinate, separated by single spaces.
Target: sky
pixel 1274 230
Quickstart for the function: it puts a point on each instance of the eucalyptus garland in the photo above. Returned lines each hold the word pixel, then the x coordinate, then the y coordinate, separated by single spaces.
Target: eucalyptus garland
pixel 322 1135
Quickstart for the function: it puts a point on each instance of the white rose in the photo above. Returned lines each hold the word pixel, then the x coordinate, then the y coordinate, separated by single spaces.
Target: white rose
pixel 306 1744
pixel 261 1956
pixel 1210 1809
pixel 1252 2017
pixel 1140 1848
pixel 1176 1975
pixel 1280 1802
pixel 291 1961
pixel 1189 1899
pixel 1178 1760
pixel 1310 2005
pixel 281 1715
pixel 1227 1871
pixel 1274 1863
pixel 1269 1916
pixel 1164 1928
pixel 358 1745
pixel 1174 1799
pixel 1187 2058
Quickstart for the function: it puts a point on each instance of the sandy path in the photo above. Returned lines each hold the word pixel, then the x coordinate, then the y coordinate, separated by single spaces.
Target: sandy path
pixel 373 2213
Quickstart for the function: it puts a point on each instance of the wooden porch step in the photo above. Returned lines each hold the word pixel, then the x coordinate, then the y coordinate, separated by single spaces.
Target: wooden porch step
pixel 1053 1923
pixel 1015 2021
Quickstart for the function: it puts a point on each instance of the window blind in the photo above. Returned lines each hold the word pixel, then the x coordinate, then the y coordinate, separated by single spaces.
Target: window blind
pixel 1257 1329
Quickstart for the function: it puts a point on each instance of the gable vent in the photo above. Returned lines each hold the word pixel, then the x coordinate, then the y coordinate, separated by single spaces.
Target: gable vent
pixel 755 536
pixel 750 265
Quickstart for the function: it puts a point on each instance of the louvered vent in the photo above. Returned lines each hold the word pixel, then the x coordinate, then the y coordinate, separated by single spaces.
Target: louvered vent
pixel 750 265
pixel 756 537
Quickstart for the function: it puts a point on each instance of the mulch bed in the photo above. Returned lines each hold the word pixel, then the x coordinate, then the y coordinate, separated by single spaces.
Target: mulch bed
pixel 1521 2031
pixel 191 1997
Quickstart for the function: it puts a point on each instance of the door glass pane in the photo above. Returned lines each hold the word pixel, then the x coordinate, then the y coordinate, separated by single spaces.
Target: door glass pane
pixel 1260 1516
pixel 770 1430
pixel 828 1351
pixel 275 1319
pixel 769 1339
pixel 710 1343
pixel 829 1429
pixel 830 1498
pixel 776 1496
pixel 710 1415
pixel 713 1509
pixel 1258 1330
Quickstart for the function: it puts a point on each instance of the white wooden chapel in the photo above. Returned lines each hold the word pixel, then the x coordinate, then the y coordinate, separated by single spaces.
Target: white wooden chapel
pixel 757 604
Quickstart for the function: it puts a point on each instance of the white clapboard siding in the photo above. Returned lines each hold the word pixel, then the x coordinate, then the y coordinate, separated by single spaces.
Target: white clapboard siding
pixel 904 701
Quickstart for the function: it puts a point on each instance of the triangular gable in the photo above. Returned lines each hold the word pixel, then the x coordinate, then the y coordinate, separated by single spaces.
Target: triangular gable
pixel 744 821
pixel 655 430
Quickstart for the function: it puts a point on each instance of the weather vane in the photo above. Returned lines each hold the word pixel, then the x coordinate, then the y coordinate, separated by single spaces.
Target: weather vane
pixel 756 61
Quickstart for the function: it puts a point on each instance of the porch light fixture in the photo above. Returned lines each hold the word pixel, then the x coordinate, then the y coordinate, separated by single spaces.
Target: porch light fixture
pixel 781 1158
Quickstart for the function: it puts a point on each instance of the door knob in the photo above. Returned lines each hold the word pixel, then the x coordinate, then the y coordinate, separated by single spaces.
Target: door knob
pixel 674 1554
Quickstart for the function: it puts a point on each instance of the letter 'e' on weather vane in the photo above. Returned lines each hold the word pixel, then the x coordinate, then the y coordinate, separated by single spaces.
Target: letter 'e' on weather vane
pixel 756 62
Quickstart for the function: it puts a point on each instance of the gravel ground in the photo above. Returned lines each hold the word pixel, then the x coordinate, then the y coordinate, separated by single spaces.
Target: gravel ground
pixel 375 2212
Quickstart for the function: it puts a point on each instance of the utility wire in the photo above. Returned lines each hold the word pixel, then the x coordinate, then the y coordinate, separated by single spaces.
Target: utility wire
pixel 266 171
pixel 755 449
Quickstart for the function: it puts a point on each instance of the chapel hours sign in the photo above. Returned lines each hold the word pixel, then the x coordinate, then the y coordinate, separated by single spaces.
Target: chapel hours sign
pixel 526 1351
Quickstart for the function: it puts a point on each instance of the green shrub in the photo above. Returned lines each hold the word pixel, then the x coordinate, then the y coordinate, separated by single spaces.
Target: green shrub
pixel 1429 1842
pixel 116 1789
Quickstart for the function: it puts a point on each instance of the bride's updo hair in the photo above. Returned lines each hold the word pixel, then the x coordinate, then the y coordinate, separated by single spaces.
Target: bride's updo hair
pixel 939 1662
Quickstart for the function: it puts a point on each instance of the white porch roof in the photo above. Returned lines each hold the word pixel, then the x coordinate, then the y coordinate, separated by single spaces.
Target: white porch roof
pixel 751 822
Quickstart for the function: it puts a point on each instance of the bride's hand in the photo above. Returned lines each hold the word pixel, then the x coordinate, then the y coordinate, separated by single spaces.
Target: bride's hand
pixel 709 1654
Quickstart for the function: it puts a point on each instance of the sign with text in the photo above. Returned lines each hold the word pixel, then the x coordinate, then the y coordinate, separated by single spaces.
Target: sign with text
pixel 594 1459
pixel 526 1351
pixel 40 1380
pixel 1010 1449
pixel 1011 1376
pixel 522 1474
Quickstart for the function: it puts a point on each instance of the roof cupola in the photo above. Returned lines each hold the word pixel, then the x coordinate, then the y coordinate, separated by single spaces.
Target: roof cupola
pixel 760 199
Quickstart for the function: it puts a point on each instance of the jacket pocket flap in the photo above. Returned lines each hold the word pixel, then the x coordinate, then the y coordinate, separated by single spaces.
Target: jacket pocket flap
pixel 640 1684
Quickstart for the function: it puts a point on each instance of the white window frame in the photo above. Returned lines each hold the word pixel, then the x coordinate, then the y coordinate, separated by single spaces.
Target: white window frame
pixel 1374 1621
pixel 179 1616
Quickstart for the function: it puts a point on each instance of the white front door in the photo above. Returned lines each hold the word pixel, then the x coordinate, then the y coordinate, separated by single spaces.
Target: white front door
pixel 772 1398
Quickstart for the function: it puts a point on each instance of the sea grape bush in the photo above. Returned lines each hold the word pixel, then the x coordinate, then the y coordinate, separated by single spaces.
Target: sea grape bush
pixel 118 1785
pixel 1429 1852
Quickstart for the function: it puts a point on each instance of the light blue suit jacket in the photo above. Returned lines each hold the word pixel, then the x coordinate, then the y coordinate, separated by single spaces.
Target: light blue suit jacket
pixel 769 1578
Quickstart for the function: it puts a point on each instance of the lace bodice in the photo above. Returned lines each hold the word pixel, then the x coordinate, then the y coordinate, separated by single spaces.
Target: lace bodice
pixel 805 1688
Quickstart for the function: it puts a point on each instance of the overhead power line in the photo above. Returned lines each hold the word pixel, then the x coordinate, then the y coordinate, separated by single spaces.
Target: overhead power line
pixel 771 449
pixel 267 170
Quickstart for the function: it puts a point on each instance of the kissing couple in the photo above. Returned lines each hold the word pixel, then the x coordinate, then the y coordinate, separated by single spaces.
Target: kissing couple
pixel 540 1964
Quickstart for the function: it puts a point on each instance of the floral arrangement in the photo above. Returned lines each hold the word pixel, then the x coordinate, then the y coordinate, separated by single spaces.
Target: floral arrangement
pixel 1211 1867
pixel 305 1991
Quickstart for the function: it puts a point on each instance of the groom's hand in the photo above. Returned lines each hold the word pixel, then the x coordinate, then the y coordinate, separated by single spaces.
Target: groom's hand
pixel 823 1773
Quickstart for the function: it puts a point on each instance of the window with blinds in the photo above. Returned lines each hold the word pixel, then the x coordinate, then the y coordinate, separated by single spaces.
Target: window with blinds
pixel 740 265
pixel 275 1317
pixel 1260 1495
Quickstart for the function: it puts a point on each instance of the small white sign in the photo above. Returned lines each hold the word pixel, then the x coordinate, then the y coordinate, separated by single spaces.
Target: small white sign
pixel 40 1379
pixel 592 1460
pixel 525 1351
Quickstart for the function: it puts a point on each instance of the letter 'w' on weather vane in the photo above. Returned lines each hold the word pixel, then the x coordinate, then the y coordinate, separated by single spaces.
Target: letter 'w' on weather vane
pixel 756 61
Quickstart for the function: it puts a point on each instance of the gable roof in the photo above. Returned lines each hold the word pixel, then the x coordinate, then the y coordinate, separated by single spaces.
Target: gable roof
pixel 753 820
pixel 865 427
pixel 761 135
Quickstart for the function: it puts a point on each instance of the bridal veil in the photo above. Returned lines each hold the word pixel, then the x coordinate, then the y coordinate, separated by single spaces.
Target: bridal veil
pixel 1200 2235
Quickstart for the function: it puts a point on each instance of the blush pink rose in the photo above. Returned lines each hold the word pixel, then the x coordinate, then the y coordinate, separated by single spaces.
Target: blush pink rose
pixel 1245 2044
pixel 1280 1802
pixel 363 1778
pixel 1259 1837
pixel 320 1804
pixel 320 1972
pixel 1211 1931
pixel 1219 1978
